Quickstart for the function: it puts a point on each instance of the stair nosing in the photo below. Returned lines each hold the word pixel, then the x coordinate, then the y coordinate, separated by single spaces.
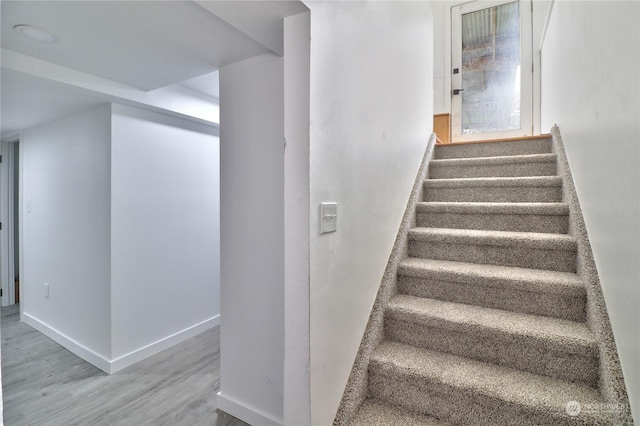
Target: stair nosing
pixel 520 181
pixel 499 159
pixel 497 276
pixel 516 208
pixel 536 240
pixel 373 403
pixel 496 323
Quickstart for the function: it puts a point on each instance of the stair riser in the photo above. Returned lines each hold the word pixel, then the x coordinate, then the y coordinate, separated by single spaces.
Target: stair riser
pixel 497 194
pixel 487 346
pixel 517 256
pixel 493 170
pixel 497 149
pixel 373 412
pixel 461 407
pixel 549 305
pixel 556 224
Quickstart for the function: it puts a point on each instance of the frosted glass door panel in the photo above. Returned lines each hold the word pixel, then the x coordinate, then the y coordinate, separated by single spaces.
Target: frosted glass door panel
pixel 491 69
pixel 489 96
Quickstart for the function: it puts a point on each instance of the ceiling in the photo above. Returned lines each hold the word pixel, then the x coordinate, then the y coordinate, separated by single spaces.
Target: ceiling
pixel 207 84
pixel 258 19
pixel 145 45
pixel 29 100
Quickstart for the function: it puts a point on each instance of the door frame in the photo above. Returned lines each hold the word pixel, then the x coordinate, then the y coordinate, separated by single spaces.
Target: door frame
pixel 7 211
pixel 526 70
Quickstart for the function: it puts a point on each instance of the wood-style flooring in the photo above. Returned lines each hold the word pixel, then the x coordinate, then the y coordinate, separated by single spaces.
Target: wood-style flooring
pixel 45 384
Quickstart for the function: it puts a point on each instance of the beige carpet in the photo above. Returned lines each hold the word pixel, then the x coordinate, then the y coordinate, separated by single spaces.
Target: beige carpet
pixel 486 321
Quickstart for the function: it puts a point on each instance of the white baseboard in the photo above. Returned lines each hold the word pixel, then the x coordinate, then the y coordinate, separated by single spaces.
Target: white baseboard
pixel 74 347
pixel 131 358
pixel 245 412
pixel 124 361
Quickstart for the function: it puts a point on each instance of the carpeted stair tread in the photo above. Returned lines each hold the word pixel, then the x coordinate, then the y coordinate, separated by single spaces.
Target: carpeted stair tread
pixel 539 189
pixel 502 166
pixel 377 413
pixel 494 238
pixel 551 218
pixel 554 334
pixel 506 159
pixel 533 250
pixel 535 280
pixel 547 181
pixel 560 209
pixel 544 189
pixel 493 149
pixel 461 380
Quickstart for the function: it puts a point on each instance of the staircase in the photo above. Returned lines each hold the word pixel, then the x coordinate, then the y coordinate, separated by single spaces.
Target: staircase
pixel 487 325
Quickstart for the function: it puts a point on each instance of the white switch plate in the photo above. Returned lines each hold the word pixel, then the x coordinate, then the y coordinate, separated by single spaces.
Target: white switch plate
pixel 328 217
pixel 46 290
pixel 28 206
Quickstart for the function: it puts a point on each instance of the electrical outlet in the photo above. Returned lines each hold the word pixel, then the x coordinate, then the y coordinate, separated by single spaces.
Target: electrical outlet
pixel 46 290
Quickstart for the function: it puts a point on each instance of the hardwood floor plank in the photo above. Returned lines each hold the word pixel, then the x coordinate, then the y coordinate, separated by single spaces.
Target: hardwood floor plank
pixel 45 384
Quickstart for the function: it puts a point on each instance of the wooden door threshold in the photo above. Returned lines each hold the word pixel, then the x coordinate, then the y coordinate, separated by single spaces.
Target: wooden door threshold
pixel 519 138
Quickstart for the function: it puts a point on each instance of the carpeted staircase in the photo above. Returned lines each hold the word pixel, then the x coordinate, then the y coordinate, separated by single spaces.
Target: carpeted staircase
pixel 487 321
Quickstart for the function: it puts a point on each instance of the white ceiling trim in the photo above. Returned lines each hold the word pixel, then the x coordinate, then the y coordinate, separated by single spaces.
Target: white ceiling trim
pixel 172 100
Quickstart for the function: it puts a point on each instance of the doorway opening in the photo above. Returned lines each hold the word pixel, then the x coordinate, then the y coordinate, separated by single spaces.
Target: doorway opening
pixel 10 239
pixel 492 73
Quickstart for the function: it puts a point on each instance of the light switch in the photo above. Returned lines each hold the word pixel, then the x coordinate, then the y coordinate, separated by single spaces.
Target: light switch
pixel 328 217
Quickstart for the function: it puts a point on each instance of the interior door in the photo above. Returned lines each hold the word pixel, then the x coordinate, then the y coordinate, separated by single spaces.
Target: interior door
pixel 492 73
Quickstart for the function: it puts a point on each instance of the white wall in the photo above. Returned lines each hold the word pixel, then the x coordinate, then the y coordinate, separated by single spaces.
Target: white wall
pixel 297 401
pixel 65 169
pixel 590 88
pixel 165 259
pixel 124 226
pixel 371 117
pixel 252 239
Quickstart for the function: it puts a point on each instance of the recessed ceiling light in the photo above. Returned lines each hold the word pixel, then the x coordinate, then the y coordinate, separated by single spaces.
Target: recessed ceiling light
pixel 35 33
